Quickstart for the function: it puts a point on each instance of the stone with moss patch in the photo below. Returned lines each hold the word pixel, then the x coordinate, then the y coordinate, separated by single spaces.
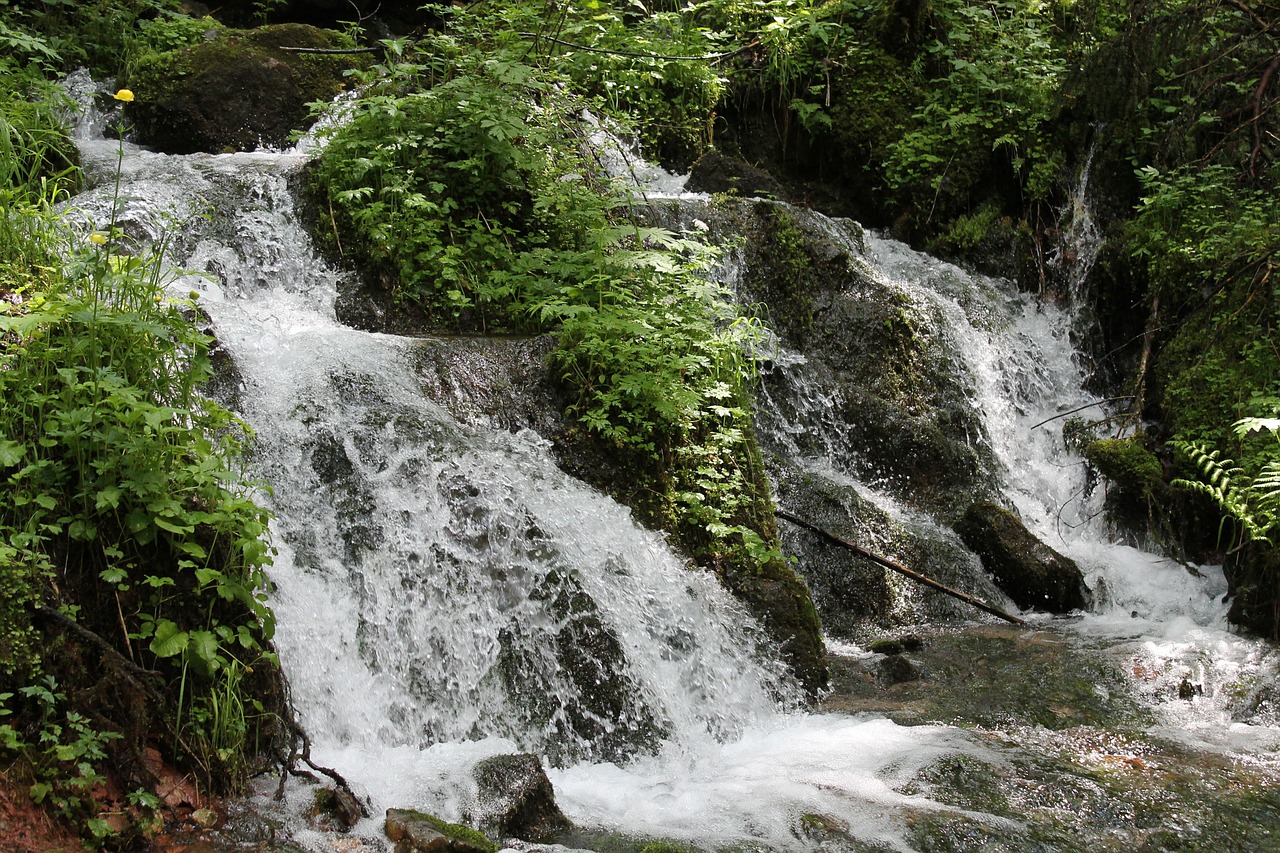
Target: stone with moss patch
pixel 418 832
pixel 237 90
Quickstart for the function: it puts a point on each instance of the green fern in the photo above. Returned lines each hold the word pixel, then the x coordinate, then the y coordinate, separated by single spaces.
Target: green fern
pixel 1253 501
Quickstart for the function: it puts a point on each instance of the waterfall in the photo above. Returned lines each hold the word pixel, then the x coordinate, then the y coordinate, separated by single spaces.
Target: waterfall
pixel 1081 239
pixel 445 593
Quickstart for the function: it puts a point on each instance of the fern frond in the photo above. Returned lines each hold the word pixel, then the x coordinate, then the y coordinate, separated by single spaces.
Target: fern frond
pixel 1236 494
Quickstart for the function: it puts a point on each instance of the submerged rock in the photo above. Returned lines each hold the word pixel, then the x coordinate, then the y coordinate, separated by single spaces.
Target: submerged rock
pixel 898 669
pixel 516 798
pixel 1034 575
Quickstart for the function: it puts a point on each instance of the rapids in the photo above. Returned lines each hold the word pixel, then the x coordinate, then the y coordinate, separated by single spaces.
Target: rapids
pixel 445 593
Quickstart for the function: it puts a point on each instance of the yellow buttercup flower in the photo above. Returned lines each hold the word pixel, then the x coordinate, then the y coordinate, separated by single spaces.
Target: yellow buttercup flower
pixel 125 95
pixel 95 237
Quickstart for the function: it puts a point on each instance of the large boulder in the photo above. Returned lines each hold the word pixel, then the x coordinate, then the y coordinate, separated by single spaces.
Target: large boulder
pixel 516 798
pixel 1030 572
pixel 237 90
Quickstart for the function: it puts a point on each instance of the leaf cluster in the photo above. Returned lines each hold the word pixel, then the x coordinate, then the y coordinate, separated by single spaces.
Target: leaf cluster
pixel 469 179
pixel 124 501
pixel 1251 500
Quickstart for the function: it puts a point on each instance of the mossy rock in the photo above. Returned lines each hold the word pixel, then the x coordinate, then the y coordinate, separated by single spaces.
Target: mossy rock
pixel 414 831
pixel 1030 572
pixel 238 90
pixel 1127 463
pixel 1135 478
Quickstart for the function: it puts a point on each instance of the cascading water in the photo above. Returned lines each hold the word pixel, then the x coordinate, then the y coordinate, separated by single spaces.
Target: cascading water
pixel 445 593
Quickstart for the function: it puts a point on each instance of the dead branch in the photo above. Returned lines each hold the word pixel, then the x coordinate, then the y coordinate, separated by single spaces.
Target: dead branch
pixel 902 570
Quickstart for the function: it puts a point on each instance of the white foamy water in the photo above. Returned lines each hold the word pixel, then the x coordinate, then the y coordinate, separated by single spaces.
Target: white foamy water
pixel 1164 621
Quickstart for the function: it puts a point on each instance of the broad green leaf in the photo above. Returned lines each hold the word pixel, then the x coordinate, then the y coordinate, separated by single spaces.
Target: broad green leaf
pixel 11 453
pixel 169 640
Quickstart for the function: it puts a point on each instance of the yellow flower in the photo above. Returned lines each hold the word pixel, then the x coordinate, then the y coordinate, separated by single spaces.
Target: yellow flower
pixel 97 238
pixel 125 95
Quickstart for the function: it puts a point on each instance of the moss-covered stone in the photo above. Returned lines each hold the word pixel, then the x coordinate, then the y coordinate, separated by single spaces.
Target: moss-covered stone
pixel 1033 574
pixel 418 832
pixel 238 90
pixel 1135 477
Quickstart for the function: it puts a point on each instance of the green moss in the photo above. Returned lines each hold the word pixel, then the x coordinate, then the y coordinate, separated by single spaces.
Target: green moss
pixel 1127 463
pixel 458 832
pixel 453 831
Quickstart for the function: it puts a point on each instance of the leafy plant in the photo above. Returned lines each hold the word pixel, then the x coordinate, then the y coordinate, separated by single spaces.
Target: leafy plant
pixel 124 502
pixel 60 754
pixel 467 179
pixel 1252 501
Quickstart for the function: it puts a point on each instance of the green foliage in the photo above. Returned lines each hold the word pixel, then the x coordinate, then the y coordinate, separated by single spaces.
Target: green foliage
pixel 1198 226
pixel 467 180
pixel 172 31
pixel 65 34
pixel 37 158
pixel 59 752
pixel 667 102
pixel 123 499
pixel 1251 500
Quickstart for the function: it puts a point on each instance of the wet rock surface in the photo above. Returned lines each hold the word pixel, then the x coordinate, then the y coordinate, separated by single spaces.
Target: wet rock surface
pixel 1034 575
pixel 988 675
pixel 516 798
pixel 1067 756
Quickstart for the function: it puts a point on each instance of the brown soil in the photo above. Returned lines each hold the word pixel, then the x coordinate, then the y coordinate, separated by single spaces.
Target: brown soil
pixel 25 827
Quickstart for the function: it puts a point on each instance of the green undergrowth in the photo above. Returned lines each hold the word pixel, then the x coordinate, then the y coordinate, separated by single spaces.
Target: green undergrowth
pixel 468 181
pixel 132 553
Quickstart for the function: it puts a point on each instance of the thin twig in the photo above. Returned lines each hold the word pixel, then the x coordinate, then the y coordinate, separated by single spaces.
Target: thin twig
pixel 706 57
pixel 1081 409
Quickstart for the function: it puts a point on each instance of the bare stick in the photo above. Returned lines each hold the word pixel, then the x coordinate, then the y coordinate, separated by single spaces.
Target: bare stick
pixel 706 57
pixel 902 570
pixel 1081 409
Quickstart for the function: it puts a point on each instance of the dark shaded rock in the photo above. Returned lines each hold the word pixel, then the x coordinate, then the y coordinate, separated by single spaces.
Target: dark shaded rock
pixel 854 594
pixel 1034 575
pixel 517 799
pixel 716 173
pixel 898 669
pixel 896 645
pixel 336 808
pixel 418 832
pixel 238 90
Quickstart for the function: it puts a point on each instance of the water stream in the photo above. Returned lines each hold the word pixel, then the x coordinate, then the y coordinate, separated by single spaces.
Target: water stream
pixel 445 593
